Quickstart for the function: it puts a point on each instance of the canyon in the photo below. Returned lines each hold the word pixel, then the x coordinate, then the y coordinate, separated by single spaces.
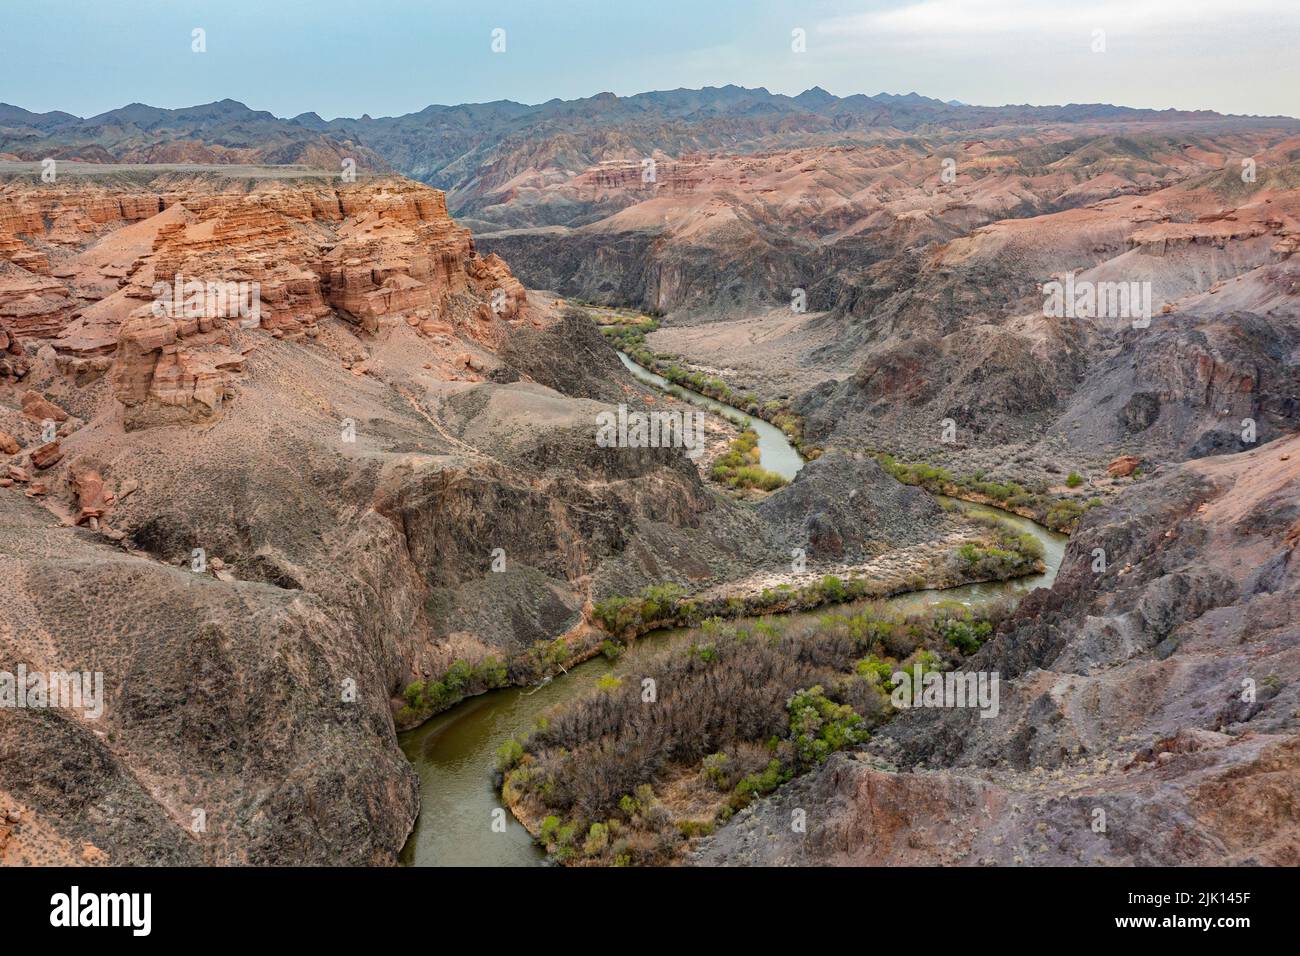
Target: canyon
pixel 261 525
pixel 373 462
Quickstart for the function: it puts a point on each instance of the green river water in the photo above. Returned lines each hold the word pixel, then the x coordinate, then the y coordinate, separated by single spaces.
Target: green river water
pixel 454 753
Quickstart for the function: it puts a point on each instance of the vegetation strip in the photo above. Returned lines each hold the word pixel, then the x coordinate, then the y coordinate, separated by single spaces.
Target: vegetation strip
pixel 739 467
pixel 1004 554
pixel 628 333
pixel 1059 514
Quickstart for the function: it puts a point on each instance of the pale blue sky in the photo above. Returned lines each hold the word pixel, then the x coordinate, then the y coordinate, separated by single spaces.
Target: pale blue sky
pixel 384 57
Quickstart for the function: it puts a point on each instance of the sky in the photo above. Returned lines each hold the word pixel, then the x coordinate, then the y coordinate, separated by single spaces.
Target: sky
pixel 387 57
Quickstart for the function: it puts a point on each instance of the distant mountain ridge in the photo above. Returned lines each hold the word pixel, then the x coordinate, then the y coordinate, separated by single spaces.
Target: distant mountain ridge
pixel 452 146
pixel 224 132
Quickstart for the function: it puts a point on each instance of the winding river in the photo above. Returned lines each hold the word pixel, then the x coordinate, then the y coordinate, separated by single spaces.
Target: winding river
pixel 774 451
pixel 454 753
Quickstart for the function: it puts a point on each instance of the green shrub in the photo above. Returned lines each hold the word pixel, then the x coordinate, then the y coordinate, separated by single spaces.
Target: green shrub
pixel 565 835
pixel 706 653
pixel 509 754
pixel 756 784
pixel 694 828
pixel 832 589
pixel 658 603
pixel 965 633
pixel 1015 553
pixel 460 680
pixel 738 467
pixel 616 614
pixel 715 769
pixel 875 671
pixel 1063 514
pixel 492 672
pixel 819 726
pixel 597 840
pixel 458 676
pixel 414 694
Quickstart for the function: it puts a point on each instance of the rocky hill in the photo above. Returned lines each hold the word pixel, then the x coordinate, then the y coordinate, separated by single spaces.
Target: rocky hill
pixel 1216 258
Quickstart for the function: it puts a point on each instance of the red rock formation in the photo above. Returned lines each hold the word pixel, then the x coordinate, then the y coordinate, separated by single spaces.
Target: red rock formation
pixel 33 305
pixel 154 279
pixel 13 361
pixel 1123 466
pixel 378 250
pixel 92 496
pixel 37 408
pixel 402 255
pixel 168 371
pixel 47 455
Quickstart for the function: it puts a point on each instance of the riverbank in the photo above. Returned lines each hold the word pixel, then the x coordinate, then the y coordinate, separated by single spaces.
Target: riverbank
pixel 776 452
pixel 463 679
pixel 963 557
pixel 1059 510
pixel 958 559
pixel 922 567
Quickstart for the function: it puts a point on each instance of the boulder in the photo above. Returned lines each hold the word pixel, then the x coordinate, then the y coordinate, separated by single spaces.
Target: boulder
pixel 47 455
pixel 13 361
pixel 92 500
pixel 1123 466
pixel 38 408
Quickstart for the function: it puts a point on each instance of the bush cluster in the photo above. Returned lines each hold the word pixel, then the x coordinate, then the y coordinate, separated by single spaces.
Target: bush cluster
pixel 1013 553
pixel 1059 514
pixel 462 679
pixel 744 708
pixel 739 466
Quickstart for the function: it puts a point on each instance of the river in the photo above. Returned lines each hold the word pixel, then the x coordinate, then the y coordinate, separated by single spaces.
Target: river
pixel 774 450
pixel 455 752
